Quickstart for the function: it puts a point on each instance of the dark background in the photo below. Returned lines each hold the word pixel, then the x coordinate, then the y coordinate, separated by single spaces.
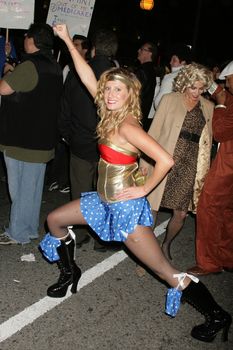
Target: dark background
pixel 206 25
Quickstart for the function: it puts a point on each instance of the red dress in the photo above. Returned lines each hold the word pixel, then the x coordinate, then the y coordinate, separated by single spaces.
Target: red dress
pixel 214 232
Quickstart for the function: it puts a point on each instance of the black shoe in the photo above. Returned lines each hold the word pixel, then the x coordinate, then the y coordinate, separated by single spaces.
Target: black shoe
pixel 82 241
pixel 217 322
pixel 115 247
pixel 100 248
pixel 216 319
pixel 64 189
pixel 70 273
pixel 53 186
pixel 228 269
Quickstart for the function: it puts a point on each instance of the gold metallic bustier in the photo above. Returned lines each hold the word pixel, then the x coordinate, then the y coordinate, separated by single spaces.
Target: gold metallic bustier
pixel 112 178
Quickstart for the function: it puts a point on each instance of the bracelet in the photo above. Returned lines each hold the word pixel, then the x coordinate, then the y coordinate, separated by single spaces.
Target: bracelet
pixel 220 106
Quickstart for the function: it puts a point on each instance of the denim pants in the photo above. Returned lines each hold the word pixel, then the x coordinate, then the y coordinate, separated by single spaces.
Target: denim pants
pixel 25 182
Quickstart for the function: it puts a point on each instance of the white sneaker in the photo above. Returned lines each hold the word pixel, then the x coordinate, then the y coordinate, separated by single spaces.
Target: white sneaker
pixel 65 189
pixel 53 186
pixel 4 239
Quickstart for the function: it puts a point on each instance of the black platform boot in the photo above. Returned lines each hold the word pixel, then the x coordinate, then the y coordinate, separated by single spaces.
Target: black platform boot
pixel 217 319
pixel 70 273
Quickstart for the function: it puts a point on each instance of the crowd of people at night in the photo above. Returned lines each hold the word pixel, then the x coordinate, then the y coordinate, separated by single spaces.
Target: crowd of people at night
pixel 126 142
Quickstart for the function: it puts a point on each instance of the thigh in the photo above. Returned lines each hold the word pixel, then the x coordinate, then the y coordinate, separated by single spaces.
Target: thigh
pixel 67 215
pixel 144 245
pixel 144 238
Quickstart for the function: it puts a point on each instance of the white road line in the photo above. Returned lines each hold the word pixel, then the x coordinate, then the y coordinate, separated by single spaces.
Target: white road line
pixel 31 313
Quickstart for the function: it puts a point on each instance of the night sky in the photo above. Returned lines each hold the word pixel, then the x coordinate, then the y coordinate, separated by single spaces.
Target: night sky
pixel 207 25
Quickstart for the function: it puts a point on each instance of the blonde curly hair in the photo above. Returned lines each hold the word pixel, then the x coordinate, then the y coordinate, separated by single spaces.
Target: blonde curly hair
pixel 110 120
pixel 190 74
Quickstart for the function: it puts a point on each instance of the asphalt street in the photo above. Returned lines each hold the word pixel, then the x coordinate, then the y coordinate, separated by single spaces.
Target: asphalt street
pixel 114 309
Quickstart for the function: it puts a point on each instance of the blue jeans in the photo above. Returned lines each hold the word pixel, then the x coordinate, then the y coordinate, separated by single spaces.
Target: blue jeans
pixel 25 182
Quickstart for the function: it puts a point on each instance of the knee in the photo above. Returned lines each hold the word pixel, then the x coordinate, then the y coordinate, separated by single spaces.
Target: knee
pixel 180 216
pixel 133 238
pixel 183 215
pixel 51 219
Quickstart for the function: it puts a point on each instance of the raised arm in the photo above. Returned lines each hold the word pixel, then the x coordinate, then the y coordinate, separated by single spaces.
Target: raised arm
pixel 83 69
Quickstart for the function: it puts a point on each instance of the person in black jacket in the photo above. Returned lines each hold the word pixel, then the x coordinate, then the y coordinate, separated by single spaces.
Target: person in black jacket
pixel 146 74
pixel 58 169
pixel 28 130
pixel 79 120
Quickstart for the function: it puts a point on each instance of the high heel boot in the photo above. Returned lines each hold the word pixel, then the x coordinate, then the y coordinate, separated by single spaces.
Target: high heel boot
pixel 70 273
pixel 216 319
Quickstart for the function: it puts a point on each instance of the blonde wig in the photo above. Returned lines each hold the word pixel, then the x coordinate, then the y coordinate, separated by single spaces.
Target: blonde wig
pixel 110 120
pixel 190 74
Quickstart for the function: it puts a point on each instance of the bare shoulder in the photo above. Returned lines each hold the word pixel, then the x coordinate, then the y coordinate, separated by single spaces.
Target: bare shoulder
pixel 130 123
pixel 131 130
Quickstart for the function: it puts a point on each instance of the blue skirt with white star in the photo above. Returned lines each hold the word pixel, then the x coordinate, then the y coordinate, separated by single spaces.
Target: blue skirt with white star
pixel 114 221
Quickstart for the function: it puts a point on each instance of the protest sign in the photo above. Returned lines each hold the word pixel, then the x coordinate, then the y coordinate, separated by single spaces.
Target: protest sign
pixel 76 14
pixel 16 14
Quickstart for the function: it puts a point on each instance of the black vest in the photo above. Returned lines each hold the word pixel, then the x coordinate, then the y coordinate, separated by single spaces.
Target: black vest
pixel 29 119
